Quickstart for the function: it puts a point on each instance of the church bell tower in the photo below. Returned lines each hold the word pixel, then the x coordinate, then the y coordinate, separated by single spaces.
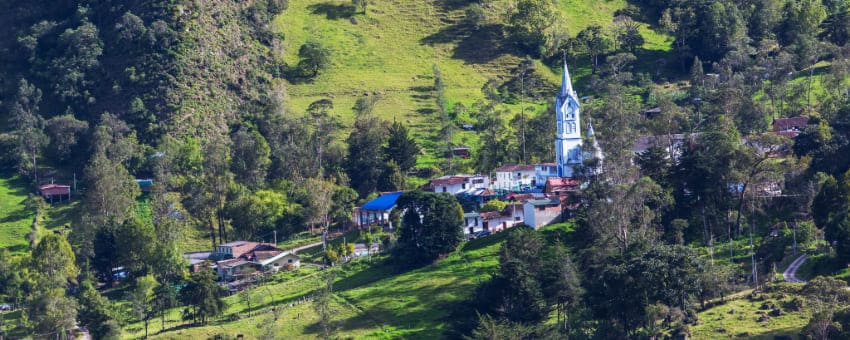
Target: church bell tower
pixel 568 139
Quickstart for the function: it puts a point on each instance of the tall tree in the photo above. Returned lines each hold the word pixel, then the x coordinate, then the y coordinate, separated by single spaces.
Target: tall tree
pixel 65 132
pixel 27 128
pixel 203 296
pixel 320 201
pixel 314 58
pixel 110 196
pixel 401 147
pixel 430 226
pixel 529 23
pixel 594 43
pixel 365 160
pixel 250 154
pixel 141 298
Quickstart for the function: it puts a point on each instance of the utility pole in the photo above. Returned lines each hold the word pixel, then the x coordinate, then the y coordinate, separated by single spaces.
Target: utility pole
pixel 522 109
pixel 752 251
pixel 794 249
pixel 275 237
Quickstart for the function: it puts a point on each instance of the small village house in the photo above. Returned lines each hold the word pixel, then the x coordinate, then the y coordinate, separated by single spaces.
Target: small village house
pixel 145 184
pixel 458 184
pixel 790 127
pixel 239 259
pixel 514 177
pixel 377 211
pixel 560 186
pixel 494 221
pixel 543 172
pixel 56 192
pixel 541 212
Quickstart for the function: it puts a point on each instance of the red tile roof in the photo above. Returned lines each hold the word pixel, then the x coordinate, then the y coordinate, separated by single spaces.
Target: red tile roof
pixel 790 124
pixel 515 167
pixel 54 189
pixel 449 180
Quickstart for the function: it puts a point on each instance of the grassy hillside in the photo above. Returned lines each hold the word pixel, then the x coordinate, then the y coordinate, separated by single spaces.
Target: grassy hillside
pixel 15 218
pixel 372 300
pixel 747 316
pixel 390 52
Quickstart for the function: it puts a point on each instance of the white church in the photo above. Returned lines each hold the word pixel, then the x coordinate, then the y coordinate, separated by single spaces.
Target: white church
pixel 568 145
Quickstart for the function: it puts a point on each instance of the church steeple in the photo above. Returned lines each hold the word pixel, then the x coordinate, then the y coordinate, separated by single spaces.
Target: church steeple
pixel 568 139
pixel 566 83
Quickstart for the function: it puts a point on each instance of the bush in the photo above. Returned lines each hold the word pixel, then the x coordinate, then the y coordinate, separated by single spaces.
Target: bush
pixel 494 205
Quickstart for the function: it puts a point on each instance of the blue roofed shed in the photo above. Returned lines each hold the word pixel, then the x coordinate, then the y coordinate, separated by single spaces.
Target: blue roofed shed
pixel 145 184
pixel 377 211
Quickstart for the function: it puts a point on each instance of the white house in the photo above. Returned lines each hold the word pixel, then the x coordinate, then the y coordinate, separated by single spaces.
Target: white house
pixel 514 177
pixel 494 221
pixel 456 184
pixel 377 211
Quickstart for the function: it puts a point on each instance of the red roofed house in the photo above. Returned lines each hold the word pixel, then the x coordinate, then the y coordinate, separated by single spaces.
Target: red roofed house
pixel 790 127
pixel 51 191
pixel 242 258
pixel 560 185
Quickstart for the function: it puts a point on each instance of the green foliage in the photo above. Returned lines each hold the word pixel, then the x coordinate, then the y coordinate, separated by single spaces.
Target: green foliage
pixel 256 213
pixel 250 154
pixel 529 23
pixel 53 262
pixel 142 297
pixel 314 58
pixel 202 296
pixel 97 313
pixel 430 227
pixel 364 163
pixel 494 205
pixel 401 148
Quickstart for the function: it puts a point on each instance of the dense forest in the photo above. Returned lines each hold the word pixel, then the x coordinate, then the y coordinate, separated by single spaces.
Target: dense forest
pixel 195 96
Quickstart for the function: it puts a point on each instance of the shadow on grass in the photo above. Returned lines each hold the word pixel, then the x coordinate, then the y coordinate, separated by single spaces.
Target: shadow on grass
pixel 451 5
pixel 15 216
pixel 472 46
pixel 425 111
pixel 487 241
pixel 415 313
pixel 18 248
pixel 333 11
pixel 17 185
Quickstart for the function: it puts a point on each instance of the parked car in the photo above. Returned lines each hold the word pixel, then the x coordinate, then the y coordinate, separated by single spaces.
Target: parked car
pixel 483 233
pixel 5 306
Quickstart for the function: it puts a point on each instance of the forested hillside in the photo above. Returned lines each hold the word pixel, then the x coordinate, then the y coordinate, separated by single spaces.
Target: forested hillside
pixel 269 120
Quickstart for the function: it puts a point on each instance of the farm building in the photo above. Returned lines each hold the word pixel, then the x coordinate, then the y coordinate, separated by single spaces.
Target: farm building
pixel 52 192
pixel 377 211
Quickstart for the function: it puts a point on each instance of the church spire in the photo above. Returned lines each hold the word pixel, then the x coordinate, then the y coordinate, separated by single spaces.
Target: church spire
pixel 566 83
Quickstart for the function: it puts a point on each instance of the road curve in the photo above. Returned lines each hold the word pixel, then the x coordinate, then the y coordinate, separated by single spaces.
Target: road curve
pixel 790 274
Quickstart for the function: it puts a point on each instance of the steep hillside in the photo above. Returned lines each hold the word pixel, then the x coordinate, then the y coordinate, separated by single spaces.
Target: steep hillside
pixel 390 52
pixel 372 300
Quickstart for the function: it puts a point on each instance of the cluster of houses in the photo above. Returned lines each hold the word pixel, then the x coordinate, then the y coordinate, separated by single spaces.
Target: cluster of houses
pixel 534 196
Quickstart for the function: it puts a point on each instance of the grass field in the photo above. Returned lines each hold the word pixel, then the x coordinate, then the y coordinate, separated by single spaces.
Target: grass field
pixel 373 300
pixel 739 318
pixel 390 52
pixel 15 218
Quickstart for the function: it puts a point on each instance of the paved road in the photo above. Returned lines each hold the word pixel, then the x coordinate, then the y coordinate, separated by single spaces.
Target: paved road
pixel 311 245
pixel 790 274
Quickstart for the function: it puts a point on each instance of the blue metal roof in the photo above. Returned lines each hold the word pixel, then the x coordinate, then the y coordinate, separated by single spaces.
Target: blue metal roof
pixel 383 202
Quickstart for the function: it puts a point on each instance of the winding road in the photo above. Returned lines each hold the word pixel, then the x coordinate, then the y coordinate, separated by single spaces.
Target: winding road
pixel 790 274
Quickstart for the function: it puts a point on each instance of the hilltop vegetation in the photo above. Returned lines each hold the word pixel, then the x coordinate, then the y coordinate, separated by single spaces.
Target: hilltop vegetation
pixel 274 118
